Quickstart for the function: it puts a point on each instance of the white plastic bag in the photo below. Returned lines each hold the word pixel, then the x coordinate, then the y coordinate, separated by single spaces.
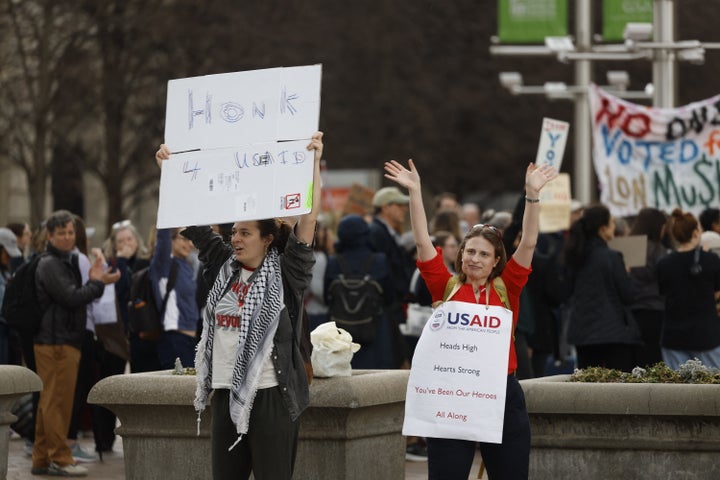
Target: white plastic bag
pixel 333 349
pixel 417 317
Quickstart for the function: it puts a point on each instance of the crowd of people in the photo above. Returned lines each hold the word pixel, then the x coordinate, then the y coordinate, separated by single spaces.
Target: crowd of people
pixel 574 303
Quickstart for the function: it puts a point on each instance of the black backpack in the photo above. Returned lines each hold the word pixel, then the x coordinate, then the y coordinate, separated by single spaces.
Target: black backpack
pixel 144 317
pixel 355 301
pixel 20 307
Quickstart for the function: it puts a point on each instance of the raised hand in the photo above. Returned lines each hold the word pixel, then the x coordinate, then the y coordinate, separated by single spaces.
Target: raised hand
pixel 537 177
pixel 163 153
pixel 317 145
pixel 98 271
pixel 396 172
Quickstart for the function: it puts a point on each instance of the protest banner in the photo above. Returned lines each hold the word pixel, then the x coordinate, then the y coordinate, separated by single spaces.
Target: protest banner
pixel 553 137
pixel 652 157
pixel 458 377
pixel 239 146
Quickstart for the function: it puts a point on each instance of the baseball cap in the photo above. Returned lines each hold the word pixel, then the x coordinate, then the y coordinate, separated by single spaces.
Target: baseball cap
pixel 388 195
pixel 9 242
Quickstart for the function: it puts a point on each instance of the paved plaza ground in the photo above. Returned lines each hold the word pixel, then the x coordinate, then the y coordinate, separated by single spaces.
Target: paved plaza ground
pixel 113 468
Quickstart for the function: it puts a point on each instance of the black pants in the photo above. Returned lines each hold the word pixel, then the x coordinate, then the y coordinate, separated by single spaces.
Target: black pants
pixel 267 450
pixel 86 378
pixel 619 356
pixel 650 323
pixel 450 459
pixel 27 343
pixel 143 355
pixel 103 419
pixel 172 345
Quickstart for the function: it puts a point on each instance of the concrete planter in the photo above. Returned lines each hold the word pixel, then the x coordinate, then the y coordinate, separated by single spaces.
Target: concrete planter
pixel 613 430
pixel 158 424
pixel 14 383
pixel 352 428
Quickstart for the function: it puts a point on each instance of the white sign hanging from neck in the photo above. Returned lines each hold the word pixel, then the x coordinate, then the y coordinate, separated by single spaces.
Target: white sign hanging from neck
pixel 459 374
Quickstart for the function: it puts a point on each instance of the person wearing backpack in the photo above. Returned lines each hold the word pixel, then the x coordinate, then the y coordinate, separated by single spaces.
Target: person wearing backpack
pixel 63 299
pixel 355 261
pixel 481 260
pixel 249 354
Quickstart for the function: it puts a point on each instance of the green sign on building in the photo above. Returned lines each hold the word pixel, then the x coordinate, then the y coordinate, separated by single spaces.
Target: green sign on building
pixel 530 21
pixel 616 13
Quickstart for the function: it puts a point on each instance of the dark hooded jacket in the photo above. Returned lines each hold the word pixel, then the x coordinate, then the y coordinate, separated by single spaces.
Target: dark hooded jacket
pixel 353 245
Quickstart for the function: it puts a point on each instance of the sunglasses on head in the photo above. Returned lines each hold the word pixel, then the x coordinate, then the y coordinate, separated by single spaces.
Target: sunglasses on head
pixel 493 229
pixel 121 224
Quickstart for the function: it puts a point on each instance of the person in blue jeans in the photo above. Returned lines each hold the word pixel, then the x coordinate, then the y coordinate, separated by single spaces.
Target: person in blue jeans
pixel 180 314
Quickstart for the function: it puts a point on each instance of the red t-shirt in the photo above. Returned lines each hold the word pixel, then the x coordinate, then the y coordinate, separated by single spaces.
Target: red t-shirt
pixel 436 276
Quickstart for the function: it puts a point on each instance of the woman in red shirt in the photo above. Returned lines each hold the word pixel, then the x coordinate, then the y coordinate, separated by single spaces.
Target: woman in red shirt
pixel 481 258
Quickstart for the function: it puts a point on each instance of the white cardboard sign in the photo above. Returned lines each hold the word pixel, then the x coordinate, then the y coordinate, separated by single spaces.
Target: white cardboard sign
pixel 241 108
pixel 458 377
pixel 232 184
pixel 553 137
pixel 239 142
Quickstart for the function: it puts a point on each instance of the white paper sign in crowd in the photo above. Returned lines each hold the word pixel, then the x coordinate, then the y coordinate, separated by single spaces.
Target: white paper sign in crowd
pixel 232 184
pixel 459 374
pixel 242 108
pixel 553 137
pixel 239 146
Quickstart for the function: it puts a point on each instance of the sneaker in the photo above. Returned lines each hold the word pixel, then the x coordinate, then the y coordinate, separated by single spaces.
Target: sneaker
pixel 81 456
pixel 66 470
pixel 28 448
pixel 415 452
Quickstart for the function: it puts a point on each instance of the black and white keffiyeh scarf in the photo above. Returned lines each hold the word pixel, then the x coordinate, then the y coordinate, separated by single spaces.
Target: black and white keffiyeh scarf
pixel 259 320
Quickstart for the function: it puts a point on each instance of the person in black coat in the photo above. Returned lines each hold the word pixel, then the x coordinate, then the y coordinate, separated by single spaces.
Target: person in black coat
pixel 602 327
pixel 353 245
pixel 689 278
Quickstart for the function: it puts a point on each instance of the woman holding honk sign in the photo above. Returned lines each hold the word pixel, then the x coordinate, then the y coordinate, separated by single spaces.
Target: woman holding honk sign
pixel 462 387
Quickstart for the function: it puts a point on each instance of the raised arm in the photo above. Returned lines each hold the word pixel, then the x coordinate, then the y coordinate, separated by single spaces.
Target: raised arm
pixel 305 229
pixel 410 179
pixel 535 179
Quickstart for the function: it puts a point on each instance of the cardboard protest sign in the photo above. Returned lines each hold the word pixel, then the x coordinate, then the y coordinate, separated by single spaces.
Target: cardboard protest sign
pixel 553 137
pixel 458 377
pixel 241 108
pixel 232 184
pixel 555 205
pixel 633 248
pixel 239 146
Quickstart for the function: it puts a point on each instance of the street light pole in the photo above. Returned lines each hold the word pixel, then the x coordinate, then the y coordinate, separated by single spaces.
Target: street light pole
pixel 665 60
pixel 583 171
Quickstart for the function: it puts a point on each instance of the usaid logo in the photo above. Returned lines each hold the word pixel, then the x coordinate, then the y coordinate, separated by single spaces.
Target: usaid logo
pixel 437 320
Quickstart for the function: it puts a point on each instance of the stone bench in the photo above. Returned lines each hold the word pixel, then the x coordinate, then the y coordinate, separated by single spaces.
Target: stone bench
pixel 351 430
pixel 14 383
